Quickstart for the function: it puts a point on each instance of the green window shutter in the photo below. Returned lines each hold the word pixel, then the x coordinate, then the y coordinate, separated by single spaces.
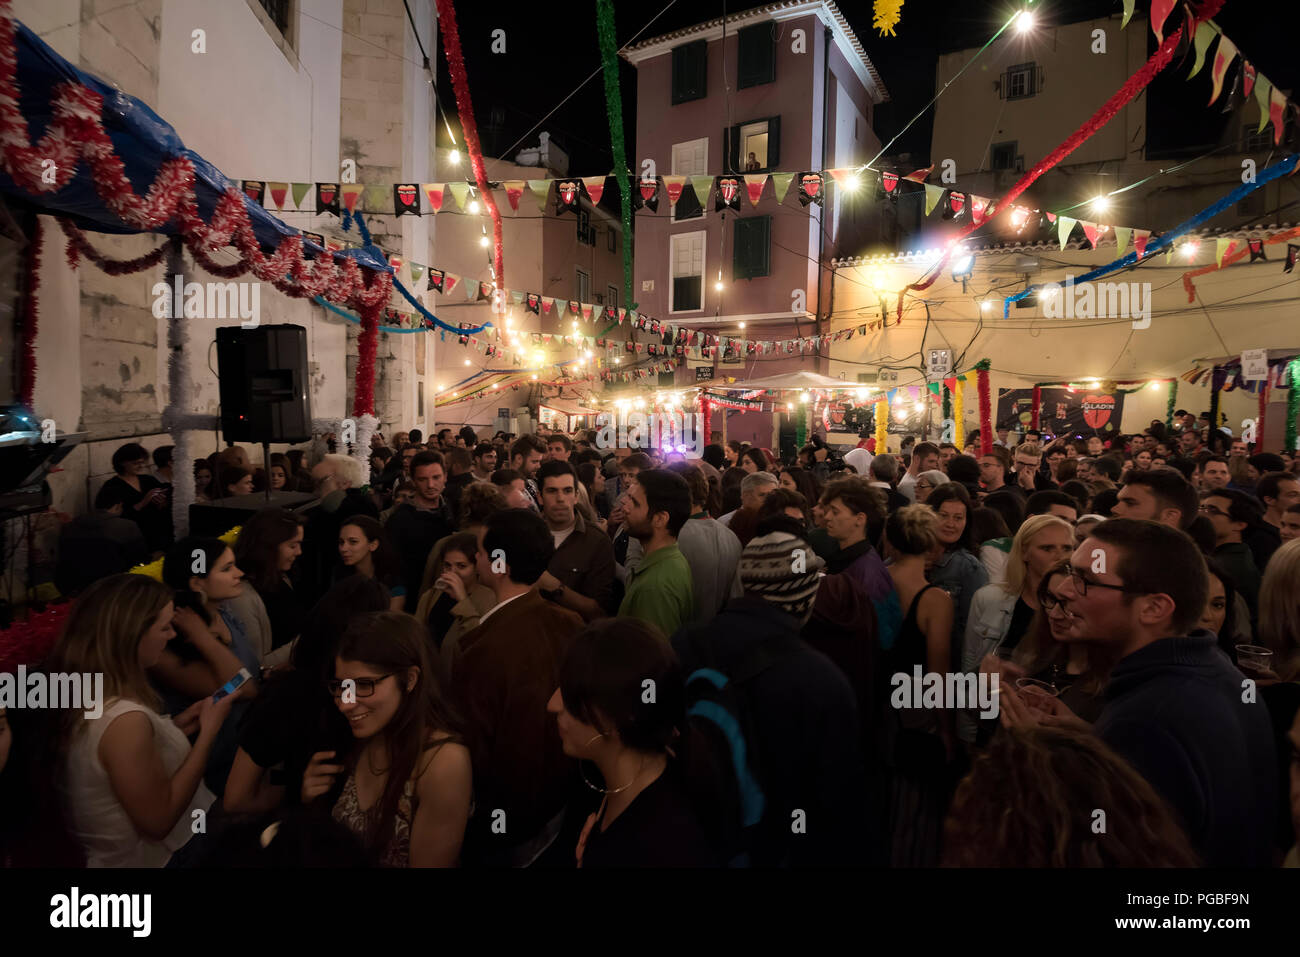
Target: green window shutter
pixel 757 56
pixel 773 143
pixel 690 71
pixel 751 247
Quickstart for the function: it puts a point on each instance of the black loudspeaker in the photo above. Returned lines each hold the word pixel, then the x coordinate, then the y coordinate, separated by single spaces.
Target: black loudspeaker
pixel 216 518
pixel 262 373
pixel 788 438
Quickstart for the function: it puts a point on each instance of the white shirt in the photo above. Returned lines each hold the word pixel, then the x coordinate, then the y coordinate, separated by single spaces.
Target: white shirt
pixel 726 519
pixel 499 605
pixel 562 534
pixel 907 487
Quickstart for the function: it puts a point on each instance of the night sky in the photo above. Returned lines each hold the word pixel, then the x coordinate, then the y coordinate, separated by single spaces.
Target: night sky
pixel 551 49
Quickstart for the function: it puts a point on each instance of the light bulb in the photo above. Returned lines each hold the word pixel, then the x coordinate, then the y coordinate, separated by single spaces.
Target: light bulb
pixel 742 325
pixel 483 241
pixel 454 157
pixel 473 207
pixel 617 360
pixel 1155 385
pixel 986 305
pixel 1024 21
pixel 1101 204
pixel 718 285
pixel 466 362
pixel 1190 249
pixel 534 375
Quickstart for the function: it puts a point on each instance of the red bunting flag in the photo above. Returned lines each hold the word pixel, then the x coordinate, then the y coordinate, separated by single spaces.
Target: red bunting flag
pixel 1091 231
pixel 514 189
pixel 919 175
pixel 673 185
pixel 433 192
pixel 595 188
pixel 1140 237
pixel 1247 77
pixel 1223 57
pixel 1160 10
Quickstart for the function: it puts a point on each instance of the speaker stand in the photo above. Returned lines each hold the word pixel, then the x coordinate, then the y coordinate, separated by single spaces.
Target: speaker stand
pixel 266 468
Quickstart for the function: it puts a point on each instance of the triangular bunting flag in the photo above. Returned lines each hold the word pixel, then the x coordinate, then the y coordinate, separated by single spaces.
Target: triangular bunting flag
pixel 701 186
pixel 255 189
pixel 1221 247
pixel 1128 14
pixel 278 191
pixel 514 189
pixel 1276 106
pixel 956 203
pixel 1051 218
pixel 1160 10
pixel 673 186
pixel 1064 226
pixel 1223 57
pixel 919 175
pixel 595 188
pixel 540 188
pixel 460 193
pixel 1247 77
pixel 979 205
pixel 406 199
pixel 932 196
pixel 781 185
pixel 1256 247
pixel 417 270
pixel 1263 90
pixel 1291 250
pixel 433 193
pixel 1091 231
pixel 1140 237
pixel 351 193
pixel 754 183
pixel 889 181
pixel 1205 35
pixel 299 192
pixel 586 312
pixel 1123 234
pixel 327 198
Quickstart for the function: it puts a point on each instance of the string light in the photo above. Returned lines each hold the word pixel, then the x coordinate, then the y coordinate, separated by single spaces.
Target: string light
pixel 454 157
pixel 1024 21
pixel 473 207
pixel 1101 203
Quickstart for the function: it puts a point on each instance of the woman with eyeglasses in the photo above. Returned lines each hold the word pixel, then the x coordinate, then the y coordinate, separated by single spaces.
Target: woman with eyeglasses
pixel 927 482
pixel 407 781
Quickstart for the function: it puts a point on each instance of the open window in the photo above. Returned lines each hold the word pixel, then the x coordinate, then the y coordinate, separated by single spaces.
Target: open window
pixel 753 147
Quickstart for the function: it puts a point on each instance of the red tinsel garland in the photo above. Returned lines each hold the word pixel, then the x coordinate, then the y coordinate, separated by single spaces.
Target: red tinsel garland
pixel 79 246
pixel 30 317
pixel 456 67
pixel 986 409
pixel 1134 85
pixel 1259 421
pixel 367 346
pixel 29 642
pixel 1035 408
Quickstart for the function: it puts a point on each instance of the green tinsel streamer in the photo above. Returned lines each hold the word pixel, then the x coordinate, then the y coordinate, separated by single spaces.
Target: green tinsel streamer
pixel 947 403
pixel 614 104
pixel 1171 405
pixel 1292 402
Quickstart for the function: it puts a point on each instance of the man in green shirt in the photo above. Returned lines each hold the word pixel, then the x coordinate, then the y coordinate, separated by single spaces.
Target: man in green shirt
pixel 657 505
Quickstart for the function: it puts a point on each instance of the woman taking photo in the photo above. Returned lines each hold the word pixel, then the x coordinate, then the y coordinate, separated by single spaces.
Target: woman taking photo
pixel 645 817
pixel 144 500
pixel 366 552
pixel 268 546
pixel 452 605
pixel 131 780
pixel 406 776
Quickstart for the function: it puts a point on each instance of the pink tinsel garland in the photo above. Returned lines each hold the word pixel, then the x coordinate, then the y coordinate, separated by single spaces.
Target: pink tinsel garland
pixel 30 317
pixel 465 109
pixel 1134 85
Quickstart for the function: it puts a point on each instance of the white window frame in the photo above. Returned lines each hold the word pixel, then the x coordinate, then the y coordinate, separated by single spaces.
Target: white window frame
pixel 700 172
pixel 611 295
pixel 673 241
pixel 580 275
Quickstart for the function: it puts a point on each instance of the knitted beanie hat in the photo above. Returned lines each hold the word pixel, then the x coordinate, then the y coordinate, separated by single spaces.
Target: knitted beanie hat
pixel 782 569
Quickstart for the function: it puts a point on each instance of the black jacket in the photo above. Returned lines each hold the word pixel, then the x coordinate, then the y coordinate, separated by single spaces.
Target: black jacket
pixel 801 708
pixel 1174 710
pixel 413 533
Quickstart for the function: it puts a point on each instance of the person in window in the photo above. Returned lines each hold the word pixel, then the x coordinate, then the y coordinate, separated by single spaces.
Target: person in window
pixel 752 165
pixel 645 817
pixel 407 790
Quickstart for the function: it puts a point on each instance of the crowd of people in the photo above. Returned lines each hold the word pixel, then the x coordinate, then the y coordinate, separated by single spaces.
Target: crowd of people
pixel 535 651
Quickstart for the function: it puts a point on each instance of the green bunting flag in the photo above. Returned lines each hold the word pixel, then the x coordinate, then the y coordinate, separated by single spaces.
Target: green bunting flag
pixel 781 185
pixel 1128 12
pixel 1221 246
pixel 300 190
pixel 541 188
pixel 417 270
pixel 1262 90
pixel 1122 236
pixel 1205 35
pixel 701 186
pixel 932 196
pixel 1064 226
pixel 460 193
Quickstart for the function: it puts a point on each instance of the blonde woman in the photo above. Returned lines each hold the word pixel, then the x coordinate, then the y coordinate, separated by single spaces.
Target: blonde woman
pixel 1002 613
pixel 1279 612
pixel 132 782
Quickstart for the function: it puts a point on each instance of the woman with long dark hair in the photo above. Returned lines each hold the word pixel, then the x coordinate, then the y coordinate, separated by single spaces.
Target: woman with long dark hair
pixel 645 817
pixel 366 551
pixel 131 781
pixel 293 715
pixel 407 778
pixel 267 549
pixel 144 499
pixel 953 565
pixel 753 460
pixel 455 601
pixel 801 480
pixel 232 480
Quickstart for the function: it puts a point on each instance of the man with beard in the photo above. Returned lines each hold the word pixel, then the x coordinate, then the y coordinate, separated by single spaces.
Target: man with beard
pixel 657 505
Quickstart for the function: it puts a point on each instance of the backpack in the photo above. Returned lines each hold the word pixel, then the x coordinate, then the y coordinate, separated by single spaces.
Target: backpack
pixel 723 761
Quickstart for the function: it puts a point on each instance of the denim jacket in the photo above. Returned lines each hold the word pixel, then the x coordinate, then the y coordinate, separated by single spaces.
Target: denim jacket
pixel 987 625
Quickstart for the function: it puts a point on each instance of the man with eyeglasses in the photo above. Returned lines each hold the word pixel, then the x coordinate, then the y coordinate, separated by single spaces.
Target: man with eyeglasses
pixel 1176 708
pixel 1232 513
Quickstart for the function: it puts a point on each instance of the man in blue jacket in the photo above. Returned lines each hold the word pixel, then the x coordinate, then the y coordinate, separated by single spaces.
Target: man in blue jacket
pixel 1176 708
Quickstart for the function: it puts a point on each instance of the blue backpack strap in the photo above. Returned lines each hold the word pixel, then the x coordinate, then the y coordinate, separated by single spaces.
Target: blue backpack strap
pixel 752 801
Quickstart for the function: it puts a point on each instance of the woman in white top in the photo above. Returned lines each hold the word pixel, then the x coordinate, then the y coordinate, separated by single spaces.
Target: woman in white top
pixel 132 784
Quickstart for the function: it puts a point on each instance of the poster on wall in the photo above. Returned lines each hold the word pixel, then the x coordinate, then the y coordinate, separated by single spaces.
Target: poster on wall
pixel 419 355
pixel 1079 413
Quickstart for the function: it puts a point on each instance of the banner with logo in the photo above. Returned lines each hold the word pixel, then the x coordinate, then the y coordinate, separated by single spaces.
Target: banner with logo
pixel 1079 413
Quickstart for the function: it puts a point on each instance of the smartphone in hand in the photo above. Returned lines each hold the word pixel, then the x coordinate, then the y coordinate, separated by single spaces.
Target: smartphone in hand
pixel 233 685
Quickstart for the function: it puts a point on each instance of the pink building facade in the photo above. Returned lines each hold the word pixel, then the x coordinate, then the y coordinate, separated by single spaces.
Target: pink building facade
pixel 782 88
